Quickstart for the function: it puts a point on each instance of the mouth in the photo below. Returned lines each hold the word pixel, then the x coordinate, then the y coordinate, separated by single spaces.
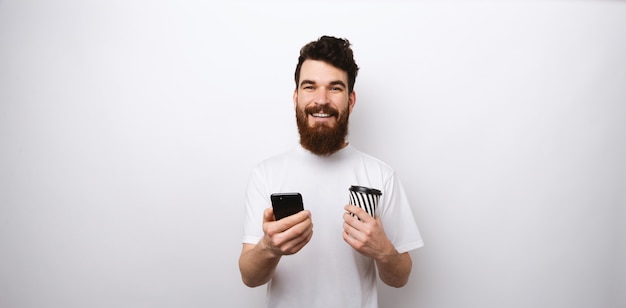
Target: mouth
pixel 321 115
pixel 322 112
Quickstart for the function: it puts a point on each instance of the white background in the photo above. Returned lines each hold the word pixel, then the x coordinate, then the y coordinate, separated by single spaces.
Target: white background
pixel 128 130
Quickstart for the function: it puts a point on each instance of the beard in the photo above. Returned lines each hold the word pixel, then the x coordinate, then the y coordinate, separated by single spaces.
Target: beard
pixel 322 139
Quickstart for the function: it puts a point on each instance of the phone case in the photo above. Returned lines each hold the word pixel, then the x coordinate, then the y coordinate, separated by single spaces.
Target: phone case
pixel 286 204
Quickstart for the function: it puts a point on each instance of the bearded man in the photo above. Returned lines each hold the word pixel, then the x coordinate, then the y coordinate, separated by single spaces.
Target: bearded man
pixel 338 266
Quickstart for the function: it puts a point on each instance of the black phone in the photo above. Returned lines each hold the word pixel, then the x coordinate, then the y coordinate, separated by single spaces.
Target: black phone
pixel 286 204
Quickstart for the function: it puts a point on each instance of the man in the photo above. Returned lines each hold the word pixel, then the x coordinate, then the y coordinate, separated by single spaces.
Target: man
pixel 337 266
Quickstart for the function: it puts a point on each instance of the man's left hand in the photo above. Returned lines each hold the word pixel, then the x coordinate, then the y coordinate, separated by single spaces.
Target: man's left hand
pixel 366 234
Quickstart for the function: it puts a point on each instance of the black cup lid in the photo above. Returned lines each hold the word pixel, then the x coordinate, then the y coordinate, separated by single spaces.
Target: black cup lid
pixel 365 190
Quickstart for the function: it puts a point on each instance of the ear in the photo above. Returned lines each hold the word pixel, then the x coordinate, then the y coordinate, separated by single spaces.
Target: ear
pixel 351 100
pixel 295 99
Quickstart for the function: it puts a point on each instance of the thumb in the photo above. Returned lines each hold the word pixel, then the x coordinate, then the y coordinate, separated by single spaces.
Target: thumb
pixel 268 215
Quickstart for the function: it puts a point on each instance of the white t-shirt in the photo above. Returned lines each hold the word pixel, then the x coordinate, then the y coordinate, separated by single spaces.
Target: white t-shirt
pixel 327 272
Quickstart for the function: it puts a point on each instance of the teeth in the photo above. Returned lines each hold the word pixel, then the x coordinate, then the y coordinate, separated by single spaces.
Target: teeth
pixel 321 115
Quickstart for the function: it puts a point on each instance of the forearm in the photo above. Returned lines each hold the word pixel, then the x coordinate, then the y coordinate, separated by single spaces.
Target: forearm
pixel 395 269
pixel 257 265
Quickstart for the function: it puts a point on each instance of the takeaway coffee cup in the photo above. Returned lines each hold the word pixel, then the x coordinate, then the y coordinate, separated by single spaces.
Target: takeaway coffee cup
pixel 365 198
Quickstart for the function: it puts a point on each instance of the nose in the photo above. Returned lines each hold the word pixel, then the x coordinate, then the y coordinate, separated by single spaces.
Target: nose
pixel 321 97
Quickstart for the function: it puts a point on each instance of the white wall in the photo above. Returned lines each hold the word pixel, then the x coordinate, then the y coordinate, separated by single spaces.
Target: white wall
pixel 128 130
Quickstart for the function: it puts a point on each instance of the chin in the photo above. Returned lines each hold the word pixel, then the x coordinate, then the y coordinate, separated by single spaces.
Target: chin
pixel 321 124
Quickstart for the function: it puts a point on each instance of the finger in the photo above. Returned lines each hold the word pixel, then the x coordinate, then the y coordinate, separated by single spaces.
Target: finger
pixel 268 215
pixel 273 227
pixel 294 244
pixel 290 221
pixel 270 226
pixel 350 220
pixel 358 212
pixel 300 229
pixel 289 232
pixel 351 231
pixel 305 239
pixel 353 242
pixel 297 217
pixel 353 221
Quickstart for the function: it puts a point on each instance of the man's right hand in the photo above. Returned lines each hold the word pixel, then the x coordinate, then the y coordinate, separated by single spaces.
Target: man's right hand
pixel 288 235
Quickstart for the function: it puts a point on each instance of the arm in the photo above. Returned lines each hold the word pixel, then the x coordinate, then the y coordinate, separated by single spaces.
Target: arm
pixel 367 236
pixel 258 262
pixel 395 269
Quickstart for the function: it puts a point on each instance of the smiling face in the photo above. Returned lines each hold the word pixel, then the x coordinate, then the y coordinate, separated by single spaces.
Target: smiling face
pixel 323 105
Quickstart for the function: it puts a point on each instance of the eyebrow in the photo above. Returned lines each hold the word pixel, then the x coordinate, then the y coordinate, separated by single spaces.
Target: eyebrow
pixel 337 82
pixel 332 83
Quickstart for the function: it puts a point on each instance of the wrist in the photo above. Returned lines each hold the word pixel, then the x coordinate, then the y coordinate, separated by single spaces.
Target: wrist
pixel 389 255
pixel 267 249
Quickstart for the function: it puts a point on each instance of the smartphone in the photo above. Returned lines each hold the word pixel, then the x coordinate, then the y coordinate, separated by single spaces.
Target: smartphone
pixel 286 204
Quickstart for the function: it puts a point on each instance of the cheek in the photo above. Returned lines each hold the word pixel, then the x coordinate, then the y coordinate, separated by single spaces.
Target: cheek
pixel 304 102
pixel 300 100
pixel 300 106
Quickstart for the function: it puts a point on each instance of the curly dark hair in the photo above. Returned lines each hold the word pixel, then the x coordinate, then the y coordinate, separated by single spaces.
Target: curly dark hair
pixel 332 50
